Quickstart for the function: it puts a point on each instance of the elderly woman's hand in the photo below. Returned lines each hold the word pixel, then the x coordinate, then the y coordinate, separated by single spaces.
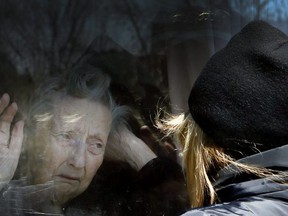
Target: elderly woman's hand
pixel 129 148
pixel 11 139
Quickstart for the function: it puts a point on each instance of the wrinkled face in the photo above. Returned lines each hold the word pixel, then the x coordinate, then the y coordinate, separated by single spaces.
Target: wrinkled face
pixel 70 150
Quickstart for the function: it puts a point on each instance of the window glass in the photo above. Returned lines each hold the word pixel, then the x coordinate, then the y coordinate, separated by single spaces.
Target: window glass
pixel 151 52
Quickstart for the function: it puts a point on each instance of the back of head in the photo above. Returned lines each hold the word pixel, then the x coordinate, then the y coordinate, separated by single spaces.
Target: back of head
pixel 240 99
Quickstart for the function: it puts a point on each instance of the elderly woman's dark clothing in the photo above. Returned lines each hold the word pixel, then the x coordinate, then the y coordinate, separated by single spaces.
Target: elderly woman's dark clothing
pixel 118 190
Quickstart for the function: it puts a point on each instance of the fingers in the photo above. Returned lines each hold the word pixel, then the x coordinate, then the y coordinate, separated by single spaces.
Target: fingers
pixel 17 137
pixel 148 137
pixel 171 150
pixel 4 101
pixel 6 118
pixel 9 113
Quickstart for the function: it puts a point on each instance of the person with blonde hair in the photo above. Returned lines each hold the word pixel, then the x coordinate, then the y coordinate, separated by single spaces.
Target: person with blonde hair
pixel 235 136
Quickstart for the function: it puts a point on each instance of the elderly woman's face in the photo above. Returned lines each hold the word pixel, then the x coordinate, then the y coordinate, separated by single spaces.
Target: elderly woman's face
pixel 70 151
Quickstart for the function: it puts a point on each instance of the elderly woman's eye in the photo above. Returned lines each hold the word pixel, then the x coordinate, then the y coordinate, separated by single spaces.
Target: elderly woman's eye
pixel 95 148
pixel 64 136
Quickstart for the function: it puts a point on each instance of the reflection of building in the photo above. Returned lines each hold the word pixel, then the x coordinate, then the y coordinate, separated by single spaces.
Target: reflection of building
pixel 191 35
pixel 188 38
pixel 48 41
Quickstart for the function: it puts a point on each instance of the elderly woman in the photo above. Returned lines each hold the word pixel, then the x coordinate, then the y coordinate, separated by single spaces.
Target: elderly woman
pixel 236 133
pixel 67 131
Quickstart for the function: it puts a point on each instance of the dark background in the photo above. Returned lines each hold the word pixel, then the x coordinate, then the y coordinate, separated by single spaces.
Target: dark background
pixel 153 49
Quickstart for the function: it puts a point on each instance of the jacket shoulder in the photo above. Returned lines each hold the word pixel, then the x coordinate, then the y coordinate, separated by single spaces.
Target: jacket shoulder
pixel 248 206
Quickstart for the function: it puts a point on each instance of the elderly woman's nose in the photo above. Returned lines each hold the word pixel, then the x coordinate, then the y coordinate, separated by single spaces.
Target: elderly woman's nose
pixel 77 157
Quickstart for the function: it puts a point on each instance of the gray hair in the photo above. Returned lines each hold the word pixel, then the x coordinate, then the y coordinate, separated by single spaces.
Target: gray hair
pixel 83 81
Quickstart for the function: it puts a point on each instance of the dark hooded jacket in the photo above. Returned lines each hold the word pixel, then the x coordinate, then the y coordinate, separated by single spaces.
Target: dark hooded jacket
pixel 241 194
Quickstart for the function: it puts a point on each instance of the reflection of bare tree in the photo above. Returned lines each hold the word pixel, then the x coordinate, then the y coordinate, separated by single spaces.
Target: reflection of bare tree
pixel 42 37
pixel 128 14
pixel 260 5
pixel 45 37
pixel 132 11
pixel 262 9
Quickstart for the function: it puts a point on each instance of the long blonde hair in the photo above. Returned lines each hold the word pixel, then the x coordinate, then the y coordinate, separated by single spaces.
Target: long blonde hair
pixel 200 154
